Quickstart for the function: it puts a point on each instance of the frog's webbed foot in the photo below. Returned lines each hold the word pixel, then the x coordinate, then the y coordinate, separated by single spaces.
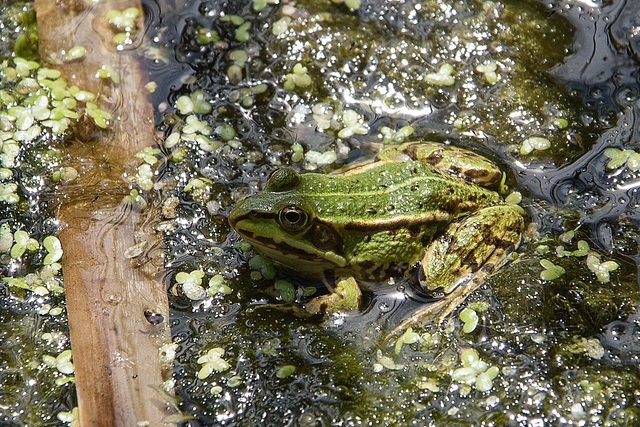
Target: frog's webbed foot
pixel 346 295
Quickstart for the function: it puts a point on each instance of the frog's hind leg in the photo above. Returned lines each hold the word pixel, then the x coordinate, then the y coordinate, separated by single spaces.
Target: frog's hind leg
pixel 459 260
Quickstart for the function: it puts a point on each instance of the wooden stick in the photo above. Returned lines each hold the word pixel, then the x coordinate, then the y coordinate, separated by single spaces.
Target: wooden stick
pixel 115 348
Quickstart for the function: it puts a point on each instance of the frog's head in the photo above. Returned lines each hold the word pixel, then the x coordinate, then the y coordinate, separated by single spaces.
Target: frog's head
pixel 281 223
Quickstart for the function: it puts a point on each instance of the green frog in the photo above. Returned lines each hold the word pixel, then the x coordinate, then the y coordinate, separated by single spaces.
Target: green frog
pixel 419 204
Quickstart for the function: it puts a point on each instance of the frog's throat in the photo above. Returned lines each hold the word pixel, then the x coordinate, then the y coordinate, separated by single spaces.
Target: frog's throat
pixel 288 250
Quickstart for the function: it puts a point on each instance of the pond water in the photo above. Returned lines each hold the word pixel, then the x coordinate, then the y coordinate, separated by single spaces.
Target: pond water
pixel 547 89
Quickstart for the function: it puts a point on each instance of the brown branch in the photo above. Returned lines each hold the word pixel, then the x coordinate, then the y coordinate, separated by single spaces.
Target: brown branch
pixel 115 349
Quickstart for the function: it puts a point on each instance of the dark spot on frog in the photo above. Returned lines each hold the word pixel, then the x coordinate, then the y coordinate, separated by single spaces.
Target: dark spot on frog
pixel 415 187
pixel 476 173
pixel 455 169
pixel 323 237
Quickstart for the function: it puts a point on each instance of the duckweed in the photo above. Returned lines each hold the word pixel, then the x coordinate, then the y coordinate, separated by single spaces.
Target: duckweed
pixel 444 76
pixel 298 78
pixel 242 33
pixel 246 95
pixel 123 20
pixel 151 86
pixel 351 4
pixel 315 158
pixel 8 193
pixel 353 125
pixel 514 200
pixel 298 153
pixel 408 337
pixel 234 19
pixel 286 289
pixel 191 284
pixel 107 72
pixel 386 362
pixel 168 352
pixel 72 417
pixel 280 26
pixel 285 371
pixel 75 53
pixel 470 319
pixel 63 363
pixel 534 143
pixel 475 371
pixel 207 36
pixel 6 238
pixel 184 104
pixel 619 158
pixel 227 132
pixel 212 362
pixel 551 271
pixel 199 189
pixel 323 114
pixel 234 381
pixel 399 136
pixel 259 5
pixel 561 123
pixel 602 270
pixel 217 286
pixel 489 71
pixel 144 177
pixel 64 174
pixel 264 265
pixel 22 242
pixel 148 154
pixel 54 248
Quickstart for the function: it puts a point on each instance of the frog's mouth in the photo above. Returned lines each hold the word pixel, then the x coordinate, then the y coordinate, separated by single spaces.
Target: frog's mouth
pixel 291 251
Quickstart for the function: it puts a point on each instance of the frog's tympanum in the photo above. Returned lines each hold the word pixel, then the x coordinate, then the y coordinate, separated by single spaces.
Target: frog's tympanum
pixel 420 204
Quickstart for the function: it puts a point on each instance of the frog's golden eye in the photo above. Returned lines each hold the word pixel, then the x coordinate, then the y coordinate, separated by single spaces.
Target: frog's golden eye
pixel 292 218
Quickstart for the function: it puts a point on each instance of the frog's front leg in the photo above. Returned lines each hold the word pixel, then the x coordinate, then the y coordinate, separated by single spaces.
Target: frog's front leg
pixel 346 295
pixel 465 254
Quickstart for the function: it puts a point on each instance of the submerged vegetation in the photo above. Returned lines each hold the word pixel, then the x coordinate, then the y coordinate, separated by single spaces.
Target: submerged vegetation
pixel 316 85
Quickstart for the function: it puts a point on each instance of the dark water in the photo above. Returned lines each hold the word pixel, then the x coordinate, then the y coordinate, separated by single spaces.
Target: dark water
pixel 556 59
pixel 567 350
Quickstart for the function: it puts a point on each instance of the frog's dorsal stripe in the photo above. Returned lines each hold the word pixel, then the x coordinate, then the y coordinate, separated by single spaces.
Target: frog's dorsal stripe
pixel 398 222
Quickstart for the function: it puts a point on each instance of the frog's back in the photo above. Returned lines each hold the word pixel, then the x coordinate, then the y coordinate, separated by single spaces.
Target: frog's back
pixel 392 190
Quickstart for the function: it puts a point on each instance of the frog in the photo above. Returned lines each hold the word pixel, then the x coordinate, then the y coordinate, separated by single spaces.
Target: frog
pixel 419 205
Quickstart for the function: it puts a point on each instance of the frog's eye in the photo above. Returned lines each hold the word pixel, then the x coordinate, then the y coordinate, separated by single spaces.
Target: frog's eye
pixel 292 218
